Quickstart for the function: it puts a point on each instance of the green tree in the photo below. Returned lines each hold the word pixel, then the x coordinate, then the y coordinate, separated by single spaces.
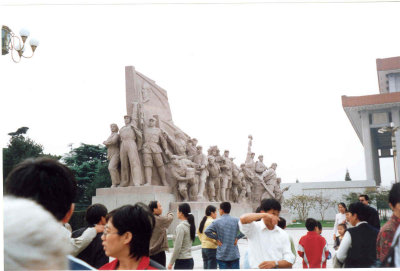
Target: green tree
pixel 20 148
pixel 89 163
pixel 347 176
pixel 350 198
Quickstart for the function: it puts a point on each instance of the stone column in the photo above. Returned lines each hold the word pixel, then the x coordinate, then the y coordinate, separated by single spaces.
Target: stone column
pixel 396 121
pixel 367 142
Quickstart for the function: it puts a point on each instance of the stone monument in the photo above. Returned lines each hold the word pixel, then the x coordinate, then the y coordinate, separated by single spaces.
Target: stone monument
pixel 158 161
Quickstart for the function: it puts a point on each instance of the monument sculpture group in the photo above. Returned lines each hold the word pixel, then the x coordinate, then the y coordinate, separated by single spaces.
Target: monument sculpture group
pixel 150 150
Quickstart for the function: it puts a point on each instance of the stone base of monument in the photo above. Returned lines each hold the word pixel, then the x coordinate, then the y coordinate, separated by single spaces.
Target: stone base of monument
pixel 199 208
pixel 117 196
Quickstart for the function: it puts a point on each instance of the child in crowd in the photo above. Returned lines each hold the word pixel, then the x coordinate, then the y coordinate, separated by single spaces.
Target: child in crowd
pixel 319 225
pixel 341 230
pixel 313 247
pixel 282 225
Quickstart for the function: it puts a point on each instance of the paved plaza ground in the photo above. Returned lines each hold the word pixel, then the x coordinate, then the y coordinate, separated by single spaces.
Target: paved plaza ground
pixel 295 233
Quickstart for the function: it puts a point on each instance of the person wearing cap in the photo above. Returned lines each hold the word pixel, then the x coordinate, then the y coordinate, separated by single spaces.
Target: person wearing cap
pixel 131 141
pixel 153 140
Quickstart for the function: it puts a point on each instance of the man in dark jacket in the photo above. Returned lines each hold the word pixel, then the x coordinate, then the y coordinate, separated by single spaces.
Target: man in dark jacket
pixel 94 253
pixel 358 247
pixel 373 216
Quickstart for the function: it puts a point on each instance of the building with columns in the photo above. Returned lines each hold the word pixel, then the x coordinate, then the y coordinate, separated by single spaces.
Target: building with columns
pixel 369 113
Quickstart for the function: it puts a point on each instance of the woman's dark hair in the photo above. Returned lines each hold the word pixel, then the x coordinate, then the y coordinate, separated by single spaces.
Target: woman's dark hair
pixel 139 221
pixel 184 208
pixel 343 205
pixel 153 205
pixel 210 209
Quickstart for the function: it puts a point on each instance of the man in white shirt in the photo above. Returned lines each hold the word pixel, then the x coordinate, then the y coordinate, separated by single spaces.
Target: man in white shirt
pixel 269 245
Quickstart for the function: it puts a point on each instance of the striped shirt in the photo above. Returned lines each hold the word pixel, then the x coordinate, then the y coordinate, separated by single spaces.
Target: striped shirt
pixel 226 230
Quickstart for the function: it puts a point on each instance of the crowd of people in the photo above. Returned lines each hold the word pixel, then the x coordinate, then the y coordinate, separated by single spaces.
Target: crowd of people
pixel 39 203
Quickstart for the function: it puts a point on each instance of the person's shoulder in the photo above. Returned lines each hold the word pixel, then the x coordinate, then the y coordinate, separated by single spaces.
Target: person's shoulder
pixel 387 227
pixel 78 232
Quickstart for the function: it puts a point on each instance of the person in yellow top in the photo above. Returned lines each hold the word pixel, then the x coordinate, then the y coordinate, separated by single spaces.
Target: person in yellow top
pixel 208 245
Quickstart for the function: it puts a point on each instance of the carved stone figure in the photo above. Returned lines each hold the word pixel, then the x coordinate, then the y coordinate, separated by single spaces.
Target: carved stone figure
pixel 278 191
pixel 250 164
pixel 226 176
pixel 242 185
pixel 270 182
pixel 153 138
pixel 248 181
pixel 260 167
pixel 112 144
pixel 131 141
pixel 270 174
pixel 200 160
pixel 184 176
pixel 191 148
pixel 213 178
pixel 236 182
pixel 178 144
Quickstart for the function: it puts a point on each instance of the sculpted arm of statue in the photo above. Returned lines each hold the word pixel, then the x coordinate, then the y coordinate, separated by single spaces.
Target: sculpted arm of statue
pixel 177 176
pixel 139 137
pixel 112 140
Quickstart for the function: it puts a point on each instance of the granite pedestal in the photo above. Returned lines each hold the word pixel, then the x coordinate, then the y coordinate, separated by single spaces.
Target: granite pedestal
pixel 118 196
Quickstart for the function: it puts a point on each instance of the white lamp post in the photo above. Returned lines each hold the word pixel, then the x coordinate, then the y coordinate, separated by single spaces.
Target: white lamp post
pixel 15 45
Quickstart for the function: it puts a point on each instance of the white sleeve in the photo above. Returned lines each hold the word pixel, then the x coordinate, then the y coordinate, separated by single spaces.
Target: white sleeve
pixel 247 229
pixel 344 247
pixel 80 243
pixel 336 225
pixel 287 250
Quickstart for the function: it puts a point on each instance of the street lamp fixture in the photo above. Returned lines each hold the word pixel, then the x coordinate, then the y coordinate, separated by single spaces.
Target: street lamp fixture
pixel 393 131
pixel 15 45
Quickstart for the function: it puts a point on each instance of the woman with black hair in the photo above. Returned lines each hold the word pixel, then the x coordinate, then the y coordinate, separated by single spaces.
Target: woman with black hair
pixel 340 218
pixel 208 245
pixel 127 236
pixel 185 234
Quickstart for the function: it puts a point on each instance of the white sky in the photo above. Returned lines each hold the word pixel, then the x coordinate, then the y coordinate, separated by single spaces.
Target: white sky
pixel 276 71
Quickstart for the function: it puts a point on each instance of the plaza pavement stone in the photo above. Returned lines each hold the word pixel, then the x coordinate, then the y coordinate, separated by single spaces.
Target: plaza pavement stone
pixel 296 234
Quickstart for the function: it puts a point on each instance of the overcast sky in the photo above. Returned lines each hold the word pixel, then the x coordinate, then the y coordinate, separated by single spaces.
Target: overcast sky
pixel 276 71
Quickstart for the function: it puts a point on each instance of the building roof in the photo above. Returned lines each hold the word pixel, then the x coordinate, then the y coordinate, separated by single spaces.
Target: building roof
pixel 355 104
pixel 386 64
pixel 384 98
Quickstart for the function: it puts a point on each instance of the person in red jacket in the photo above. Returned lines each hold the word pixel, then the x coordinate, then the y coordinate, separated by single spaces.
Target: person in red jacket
pixel 313 247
